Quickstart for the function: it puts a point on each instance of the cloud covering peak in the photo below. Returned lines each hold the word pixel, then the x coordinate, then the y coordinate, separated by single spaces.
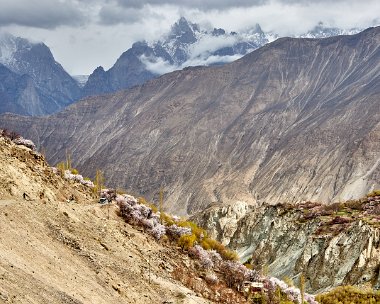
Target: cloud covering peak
pixel 85 33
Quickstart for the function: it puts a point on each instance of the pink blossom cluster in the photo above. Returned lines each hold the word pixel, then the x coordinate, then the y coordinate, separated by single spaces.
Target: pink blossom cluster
pixel 310 299
pixel 236 273
pixel 24 142
pixel 158 231
pixel 203 256
pixel 125 198
pixel 293 293
pixel 141 215
pixel 76 177
pixel 211 278
pixel 109 194
pixel 214 256
pixel 176 218
pixel 176 232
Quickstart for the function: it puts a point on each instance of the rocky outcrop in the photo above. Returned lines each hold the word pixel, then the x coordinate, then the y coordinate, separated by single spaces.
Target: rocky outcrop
pixel 295 120
pixel 328 250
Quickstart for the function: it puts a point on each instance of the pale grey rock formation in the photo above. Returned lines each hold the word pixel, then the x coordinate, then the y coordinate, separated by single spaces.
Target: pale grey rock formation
pixel 289 247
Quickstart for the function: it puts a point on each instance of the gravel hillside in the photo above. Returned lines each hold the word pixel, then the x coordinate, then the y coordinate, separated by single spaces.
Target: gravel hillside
pixel 55 251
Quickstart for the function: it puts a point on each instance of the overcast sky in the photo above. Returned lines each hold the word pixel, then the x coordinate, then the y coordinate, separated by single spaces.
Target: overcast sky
pixel 84 34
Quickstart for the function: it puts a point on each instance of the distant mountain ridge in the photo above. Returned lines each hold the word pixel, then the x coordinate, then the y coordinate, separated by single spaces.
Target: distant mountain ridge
pixel 186 44
pixel 52 88
pixel 298 119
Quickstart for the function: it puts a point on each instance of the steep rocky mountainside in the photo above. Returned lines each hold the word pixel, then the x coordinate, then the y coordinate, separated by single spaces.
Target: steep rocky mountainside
pixel 19 94
pixel 186 44
pixel 49 86
pixel 58 251
pixel 331 246
pixel 298 119
pixel 127 72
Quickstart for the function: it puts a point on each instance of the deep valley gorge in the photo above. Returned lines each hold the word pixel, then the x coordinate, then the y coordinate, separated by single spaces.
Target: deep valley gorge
pixel 295 120
pixel 330 246
pixel 253 177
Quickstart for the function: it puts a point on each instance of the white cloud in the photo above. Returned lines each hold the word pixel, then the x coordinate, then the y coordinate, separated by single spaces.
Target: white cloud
pixel 210 60
pixel 293 18
pixel 84 34
pixel 158 65
pixel 41 13
pixel 209 44
pixel 207 5
pixel 113 14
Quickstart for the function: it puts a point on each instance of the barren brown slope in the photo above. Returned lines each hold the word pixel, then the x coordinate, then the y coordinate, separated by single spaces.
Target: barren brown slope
pixel 295 120
pixel 52 251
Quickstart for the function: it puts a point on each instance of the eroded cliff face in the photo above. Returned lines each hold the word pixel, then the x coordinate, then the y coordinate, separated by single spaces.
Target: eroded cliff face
pixel 330 250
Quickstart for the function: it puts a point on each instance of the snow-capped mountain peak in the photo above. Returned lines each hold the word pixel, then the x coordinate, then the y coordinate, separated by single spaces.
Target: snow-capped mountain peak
pixel 10 46
pixel 183 31
pixel 53 88
pixel 186 44
pixel 322 31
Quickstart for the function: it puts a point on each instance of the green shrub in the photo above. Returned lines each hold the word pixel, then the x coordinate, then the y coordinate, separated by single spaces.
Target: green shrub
pixel 99 181
pixel 74 171
pixel 153 207
pixel 225 253
pixel 288 281
pixel 187 241
pixel 229 255
pixel 209 244
pixel 348 295
pixel 374 193
pixel 333 208
pixel 142 200
pixel 166 219
pixel 354 205
pixel 197 231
